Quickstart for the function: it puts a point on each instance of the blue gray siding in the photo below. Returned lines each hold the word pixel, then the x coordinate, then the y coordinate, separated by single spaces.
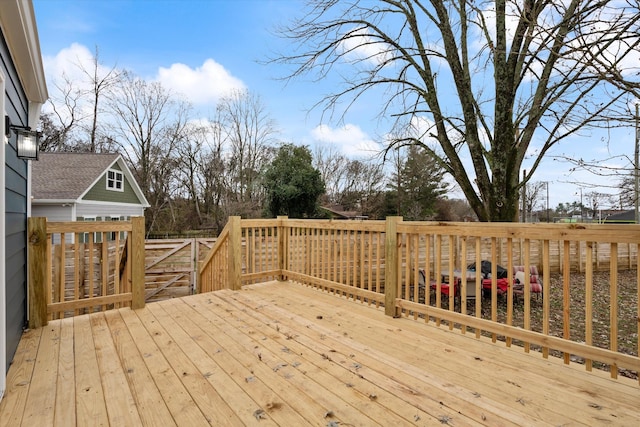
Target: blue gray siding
pixel 15 205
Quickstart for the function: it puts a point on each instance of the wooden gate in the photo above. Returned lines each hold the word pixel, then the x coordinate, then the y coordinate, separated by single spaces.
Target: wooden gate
pixel 171 266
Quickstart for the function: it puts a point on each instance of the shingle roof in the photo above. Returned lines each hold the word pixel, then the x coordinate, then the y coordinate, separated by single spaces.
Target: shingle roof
pixel 66 176
pixel 629 215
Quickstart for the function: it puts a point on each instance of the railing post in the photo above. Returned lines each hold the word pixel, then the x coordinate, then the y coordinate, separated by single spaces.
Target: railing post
pixel 137 262
pixel 235 253
pixel 37 279
pixel 283 246
pixel 391 265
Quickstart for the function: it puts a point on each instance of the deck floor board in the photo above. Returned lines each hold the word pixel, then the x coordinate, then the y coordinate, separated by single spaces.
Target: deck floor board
pixel 521 383
pixel 286 354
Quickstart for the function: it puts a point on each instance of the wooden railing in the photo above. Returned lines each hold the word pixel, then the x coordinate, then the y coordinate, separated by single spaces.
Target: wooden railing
pixel 246 252
pixel 80 267
pixel 381 262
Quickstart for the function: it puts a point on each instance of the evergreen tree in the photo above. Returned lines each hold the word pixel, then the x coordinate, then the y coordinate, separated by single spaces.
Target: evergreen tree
pixel 292 184
pixel 418 184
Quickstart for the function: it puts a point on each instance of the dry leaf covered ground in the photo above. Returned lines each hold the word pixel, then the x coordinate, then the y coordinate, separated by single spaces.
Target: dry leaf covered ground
pixel 627 306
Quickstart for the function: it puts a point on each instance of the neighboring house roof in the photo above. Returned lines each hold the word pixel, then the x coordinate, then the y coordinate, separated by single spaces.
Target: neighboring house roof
pixel 338 211
pixel 66 177
pixel 622 216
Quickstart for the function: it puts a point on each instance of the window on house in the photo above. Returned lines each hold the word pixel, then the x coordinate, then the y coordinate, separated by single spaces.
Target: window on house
pixel 112 235
pixel 114 180
pixel 84 238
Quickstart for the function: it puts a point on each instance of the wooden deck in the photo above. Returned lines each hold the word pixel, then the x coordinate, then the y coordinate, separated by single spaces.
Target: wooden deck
pixel 285 354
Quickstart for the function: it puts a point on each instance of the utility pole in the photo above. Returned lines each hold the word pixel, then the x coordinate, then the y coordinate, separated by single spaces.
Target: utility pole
pixel 635 169
pixel 547 184
pixel 581 210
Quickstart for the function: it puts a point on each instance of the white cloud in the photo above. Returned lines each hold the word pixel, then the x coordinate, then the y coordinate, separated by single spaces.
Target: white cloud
pixel 69 61
pixel 360 45
pixel 350 140
pixel 205 84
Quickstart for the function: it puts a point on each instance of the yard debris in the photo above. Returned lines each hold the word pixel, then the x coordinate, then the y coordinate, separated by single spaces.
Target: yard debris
pixel 333 424
pixel 250 379
pixel 372 396
pixel 259 414
pixel 328 414
pixel 444 419
pixel 279 366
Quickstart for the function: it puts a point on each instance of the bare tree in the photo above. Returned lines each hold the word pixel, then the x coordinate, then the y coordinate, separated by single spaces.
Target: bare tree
pixel 251 133
pixel 533 193
pixel 66 117
pixel 149 124
pixel 332 167
pixel 76 107
pixel 363 187
pixel 595 201
pixel 100 81
pixel 214 175
pixel 517 69
pixel 203 172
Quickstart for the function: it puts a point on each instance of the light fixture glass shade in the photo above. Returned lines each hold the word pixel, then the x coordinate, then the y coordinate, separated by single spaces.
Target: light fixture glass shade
pixel 27 144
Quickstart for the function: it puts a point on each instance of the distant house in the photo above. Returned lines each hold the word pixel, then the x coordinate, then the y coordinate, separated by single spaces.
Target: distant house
pixel 623 217
pixel 338 212
pixel 85 187
pixel 23 90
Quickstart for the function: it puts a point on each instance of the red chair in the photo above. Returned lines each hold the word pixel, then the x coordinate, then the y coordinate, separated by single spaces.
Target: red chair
pixel 502 285
pixel 445 288
pixel 535 281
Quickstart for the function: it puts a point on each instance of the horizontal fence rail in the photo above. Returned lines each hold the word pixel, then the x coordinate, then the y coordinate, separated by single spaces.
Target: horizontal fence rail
pixel 81 267
pixel 578 300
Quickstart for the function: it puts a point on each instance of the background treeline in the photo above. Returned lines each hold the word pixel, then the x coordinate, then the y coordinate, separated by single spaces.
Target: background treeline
pixel 195 172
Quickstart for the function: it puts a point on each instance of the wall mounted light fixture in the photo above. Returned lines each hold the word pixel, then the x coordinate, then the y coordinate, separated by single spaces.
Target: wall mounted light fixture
pixel 28 140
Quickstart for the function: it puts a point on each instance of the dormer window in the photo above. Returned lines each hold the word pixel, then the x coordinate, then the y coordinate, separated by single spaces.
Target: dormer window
pixel 114 180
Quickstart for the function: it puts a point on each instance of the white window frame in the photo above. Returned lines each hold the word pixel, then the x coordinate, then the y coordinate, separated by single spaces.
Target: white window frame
pixel 112 235
pixel 112 182
pixel 85 236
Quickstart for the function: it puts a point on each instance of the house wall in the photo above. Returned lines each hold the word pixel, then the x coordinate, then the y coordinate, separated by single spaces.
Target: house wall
pixel 99 192
pixel 53 212
pixel 15 205
pixel 105 210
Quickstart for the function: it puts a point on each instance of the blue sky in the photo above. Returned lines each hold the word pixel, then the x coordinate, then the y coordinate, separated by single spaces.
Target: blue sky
pixel 206 47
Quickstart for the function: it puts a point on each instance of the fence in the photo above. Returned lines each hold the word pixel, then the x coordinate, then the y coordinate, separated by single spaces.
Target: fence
pixel 171 266
pixel 97 276
pixel 245 252
pixel 406 266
